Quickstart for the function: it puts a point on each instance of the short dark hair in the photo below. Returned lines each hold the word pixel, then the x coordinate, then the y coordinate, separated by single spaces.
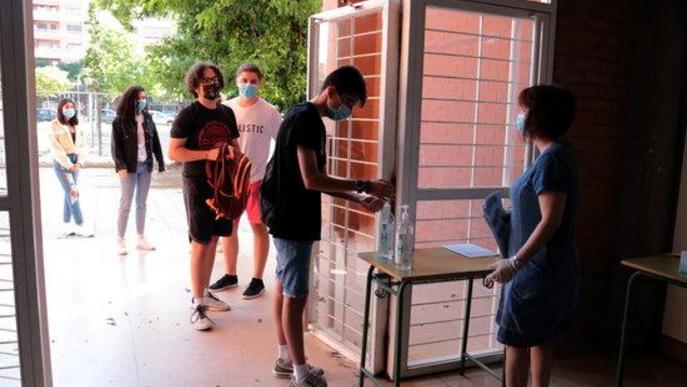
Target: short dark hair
pixel 347 80
pixel 126 109
pixel 195 74
pixel 60 116
pixel 550 111
pixel 251 68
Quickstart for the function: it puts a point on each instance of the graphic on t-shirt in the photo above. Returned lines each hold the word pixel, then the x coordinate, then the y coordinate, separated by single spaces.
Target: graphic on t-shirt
pixel 213 135
pixel 251 128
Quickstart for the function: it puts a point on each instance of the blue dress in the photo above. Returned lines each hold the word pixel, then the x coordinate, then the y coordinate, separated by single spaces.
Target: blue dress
pixel 542 299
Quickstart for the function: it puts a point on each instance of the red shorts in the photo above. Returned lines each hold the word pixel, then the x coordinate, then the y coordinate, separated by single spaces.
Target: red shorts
pixel 253 205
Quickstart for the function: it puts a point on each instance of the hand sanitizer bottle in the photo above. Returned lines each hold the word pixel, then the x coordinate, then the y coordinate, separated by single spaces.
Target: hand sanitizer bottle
pixel 387 233
pixel 404 233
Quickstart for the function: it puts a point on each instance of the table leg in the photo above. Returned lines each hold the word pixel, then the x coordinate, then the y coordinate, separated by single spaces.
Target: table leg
pixel 366 324
pixel 466 326
pixel 623 330
pixel 399 333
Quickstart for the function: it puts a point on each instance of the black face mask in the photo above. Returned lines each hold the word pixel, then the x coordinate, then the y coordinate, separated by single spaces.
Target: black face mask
pixel 210 90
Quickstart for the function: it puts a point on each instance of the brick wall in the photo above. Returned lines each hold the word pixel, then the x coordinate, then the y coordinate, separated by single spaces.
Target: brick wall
pixel 592 57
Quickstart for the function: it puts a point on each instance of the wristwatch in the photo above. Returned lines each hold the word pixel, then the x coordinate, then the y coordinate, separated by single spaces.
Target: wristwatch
pixel 362 186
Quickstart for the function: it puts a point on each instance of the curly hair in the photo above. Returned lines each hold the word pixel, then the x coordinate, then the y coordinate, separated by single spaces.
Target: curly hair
pixel 195 75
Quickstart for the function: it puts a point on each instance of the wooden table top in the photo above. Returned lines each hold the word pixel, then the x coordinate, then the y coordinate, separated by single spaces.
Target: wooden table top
pixel 666 266
pixel 433 263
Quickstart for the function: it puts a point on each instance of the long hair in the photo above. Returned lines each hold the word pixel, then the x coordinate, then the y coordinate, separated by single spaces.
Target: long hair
pixel 74 121
pixel 126 110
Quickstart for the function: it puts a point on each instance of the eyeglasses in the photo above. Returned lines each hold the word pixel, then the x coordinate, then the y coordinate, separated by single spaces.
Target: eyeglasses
pixel 209 80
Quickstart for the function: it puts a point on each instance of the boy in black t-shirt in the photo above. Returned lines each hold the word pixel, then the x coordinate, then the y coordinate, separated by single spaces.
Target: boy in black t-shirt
pixel 291 208
pixel 197 133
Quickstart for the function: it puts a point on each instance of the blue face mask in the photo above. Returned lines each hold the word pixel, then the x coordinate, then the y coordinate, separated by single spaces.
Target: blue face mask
pixel 340 113
pixel 520 122
pixel 141 104
pixel 69 113
pixel 248 90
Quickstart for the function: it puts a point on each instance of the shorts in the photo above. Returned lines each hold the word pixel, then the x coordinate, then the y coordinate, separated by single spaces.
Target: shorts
pixel 253 204
pixel 202 221
pixel 293 266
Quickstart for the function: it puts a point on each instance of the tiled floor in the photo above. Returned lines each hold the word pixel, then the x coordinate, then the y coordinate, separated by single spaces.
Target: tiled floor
pixel 123 321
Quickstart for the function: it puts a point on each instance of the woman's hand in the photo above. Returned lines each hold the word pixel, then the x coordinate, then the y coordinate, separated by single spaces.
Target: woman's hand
pixel 504 270
pixel 122 173
pixel 74 168
pixel 382 189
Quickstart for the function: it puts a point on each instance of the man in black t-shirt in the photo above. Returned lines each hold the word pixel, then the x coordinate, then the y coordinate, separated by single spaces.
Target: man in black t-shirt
pixel 197 133
pixel 291 208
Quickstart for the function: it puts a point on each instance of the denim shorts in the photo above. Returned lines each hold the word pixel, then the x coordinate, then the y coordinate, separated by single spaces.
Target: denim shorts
pixel 293 266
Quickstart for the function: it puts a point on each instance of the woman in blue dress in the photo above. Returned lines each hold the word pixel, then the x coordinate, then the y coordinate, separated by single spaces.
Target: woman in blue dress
pixel 541 279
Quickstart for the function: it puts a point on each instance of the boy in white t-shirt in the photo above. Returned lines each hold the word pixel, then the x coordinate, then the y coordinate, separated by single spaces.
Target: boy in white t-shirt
pixel 258 124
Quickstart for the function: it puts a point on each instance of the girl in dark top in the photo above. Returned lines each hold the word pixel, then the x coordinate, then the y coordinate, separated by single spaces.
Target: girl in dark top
pixel 541 279
pixel 134 144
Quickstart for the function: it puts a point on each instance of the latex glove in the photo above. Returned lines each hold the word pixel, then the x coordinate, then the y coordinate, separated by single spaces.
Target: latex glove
pixel 504 270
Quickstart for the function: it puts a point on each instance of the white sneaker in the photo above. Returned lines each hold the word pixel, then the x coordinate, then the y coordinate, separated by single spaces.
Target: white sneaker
pixel 121 246
pixel 199 318
pixel 310 380
pixel 284 369
pixel 83 231
pixel 214 303
pixel 143 244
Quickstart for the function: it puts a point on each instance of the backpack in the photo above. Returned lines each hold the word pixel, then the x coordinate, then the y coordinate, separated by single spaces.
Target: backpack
pixel 229 177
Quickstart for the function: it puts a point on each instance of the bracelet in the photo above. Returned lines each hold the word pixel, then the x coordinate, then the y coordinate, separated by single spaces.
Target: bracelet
pixel 515 262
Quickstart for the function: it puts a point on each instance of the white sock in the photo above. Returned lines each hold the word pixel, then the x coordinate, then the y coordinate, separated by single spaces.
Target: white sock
pixel 301 371
pixel 198 301
pixel 283 352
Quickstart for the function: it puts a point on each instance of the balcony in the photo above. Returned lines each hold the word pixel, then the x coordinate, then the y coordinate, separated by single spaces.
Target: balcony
pixel 44 15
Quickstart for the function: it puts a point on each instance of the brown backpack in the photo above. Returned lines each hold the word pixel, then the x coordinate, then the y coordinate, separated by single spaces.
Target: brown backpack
pixel 229 177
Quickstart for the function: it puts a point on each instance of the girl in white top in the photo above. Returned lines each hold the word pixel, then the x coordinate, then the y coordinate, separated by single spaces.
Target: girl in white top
pixel 68 146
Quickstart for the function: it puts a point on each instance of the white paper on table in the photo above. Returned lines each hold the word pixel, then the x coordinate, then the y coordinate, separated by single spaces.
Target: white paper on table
pixel 469 250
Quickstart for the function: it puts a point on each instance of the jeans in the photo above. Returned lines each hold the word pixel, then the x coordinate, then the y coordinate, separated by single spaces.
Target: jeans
pixel 138 182
pixel 293 266
pixel 68 178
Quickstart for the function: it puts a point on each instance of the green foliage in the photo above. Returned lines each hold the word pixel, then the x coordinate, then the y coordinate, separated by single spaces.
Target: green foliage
pixel 51 80
pixel 269 33
pixel 73 69
pixel 110 64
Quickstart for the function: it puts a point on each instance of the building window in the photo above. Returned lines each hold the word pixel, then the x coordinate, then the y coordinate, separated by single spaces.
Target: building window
pixel 74 28
pixel 46 27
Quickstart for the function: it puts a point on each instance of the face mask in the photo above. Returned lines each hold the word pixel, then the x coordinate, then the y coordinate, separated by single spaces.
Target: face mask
pixel 141 104
pixel 69 113
pixel 210 90
pixel 520 122
pixel 340 113
pixel 248 90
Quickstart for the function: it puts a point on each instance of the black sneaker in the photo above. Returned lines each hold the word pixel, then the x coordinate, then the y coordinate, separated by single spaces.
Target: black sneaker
pixel 255 289
pixel 226 282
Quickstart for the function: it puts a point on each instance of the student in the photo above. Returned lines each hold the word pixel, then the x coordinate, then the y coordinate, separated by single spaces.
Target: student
pixel 295 178
pixel 258 123
pixel 134 144
pixel 197 133
pixel 540 295
pixel 68 146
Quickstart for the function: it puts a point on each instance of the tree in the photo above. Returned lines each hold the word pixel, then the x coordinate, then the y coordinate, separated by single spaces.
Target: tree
pixel 110 64
pixel 269 33
pixel 51 80
pixel 73 69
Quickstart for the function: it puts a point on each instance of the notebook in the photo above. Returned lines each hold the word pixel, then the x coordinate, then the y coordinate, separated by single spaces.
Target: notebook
pixel 470 250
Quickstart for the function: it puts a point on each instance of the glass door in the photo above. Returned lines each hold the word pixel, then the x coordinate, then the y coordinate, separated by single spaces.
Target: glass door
pixel 465 63
pixel 363 35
